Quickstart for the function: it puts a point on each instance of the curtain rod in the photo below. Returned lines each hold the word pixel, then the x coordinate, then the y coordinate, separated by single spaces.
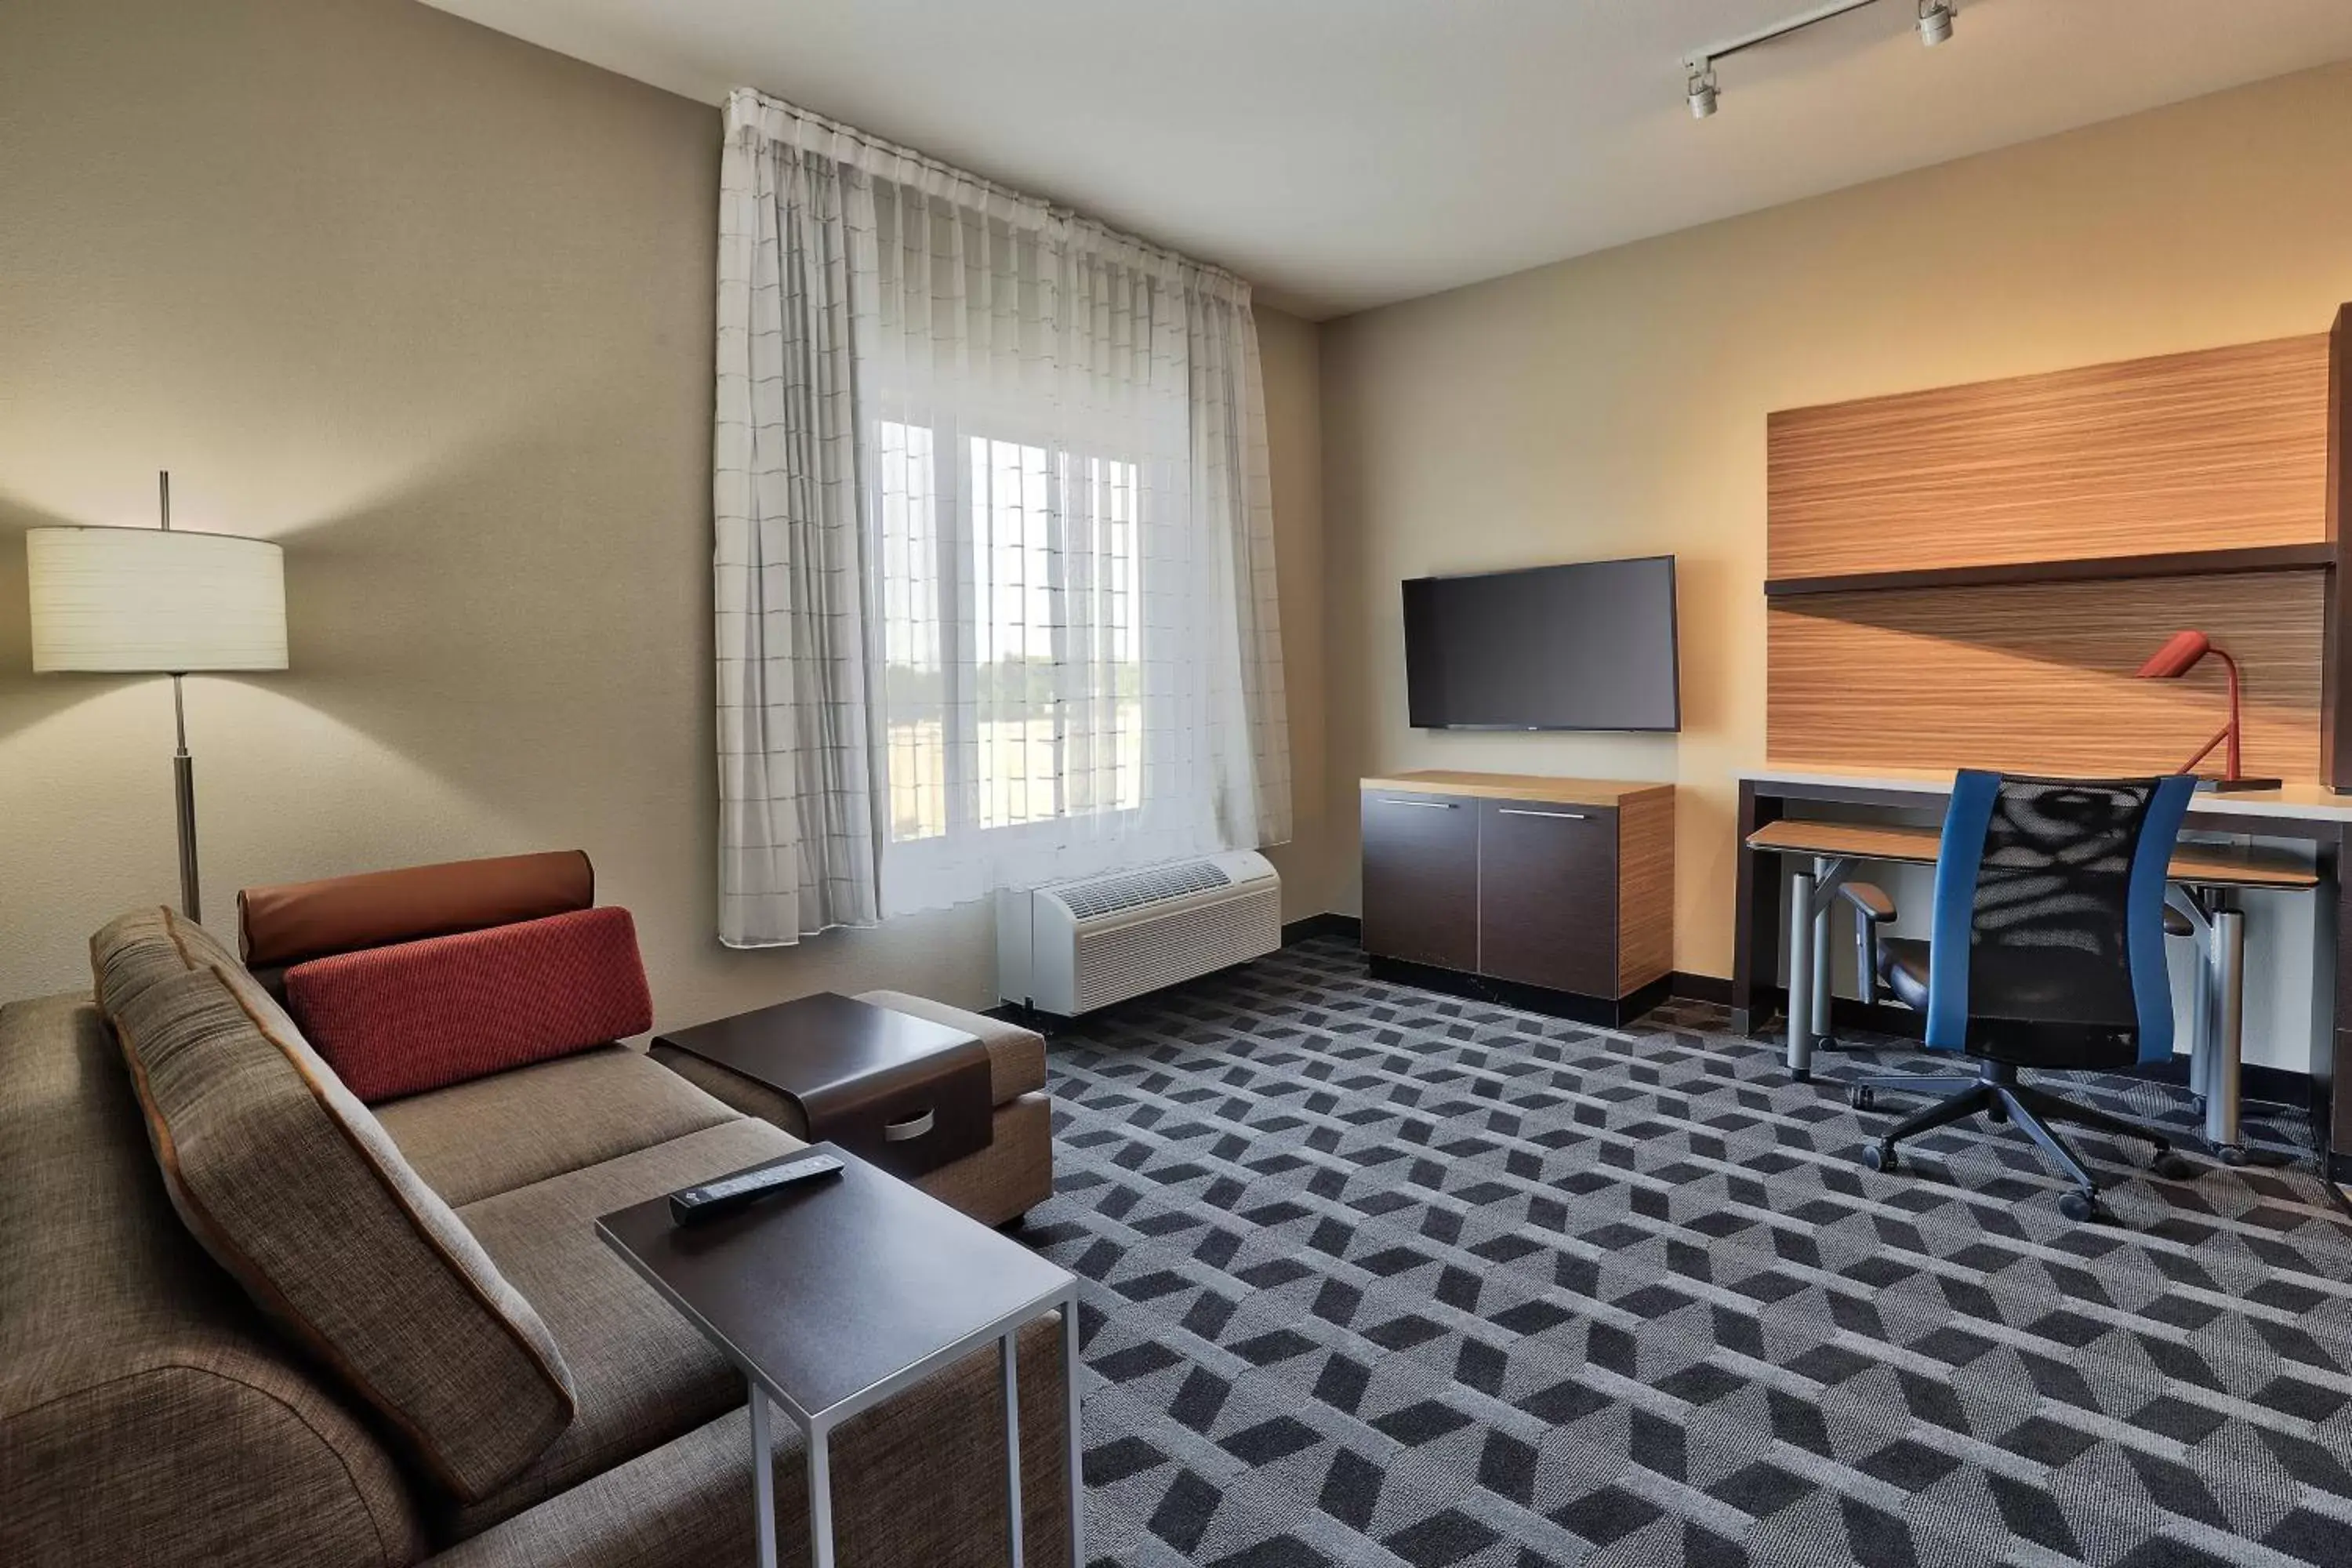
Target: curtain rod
pixel 750 110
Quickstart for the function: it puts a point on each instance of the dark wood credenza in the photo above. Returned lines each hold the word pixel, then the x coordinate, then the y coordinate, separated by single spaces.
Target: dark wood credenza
pixel 1552 893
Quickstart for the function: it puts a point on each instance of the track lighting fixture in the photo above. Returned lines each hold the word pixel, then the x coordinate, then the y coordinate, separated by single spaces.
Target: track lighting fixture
pixel 1702 92
pixel 1935 27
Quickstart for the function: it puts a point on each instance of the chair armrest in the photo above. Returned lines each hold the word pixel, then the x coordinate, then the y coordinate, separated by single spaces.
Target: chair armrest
pixel 1872 899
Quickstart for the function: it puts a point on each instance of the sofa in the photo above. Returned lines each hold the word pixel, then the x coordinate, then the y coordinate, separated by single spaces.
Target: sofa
pixel 245 1319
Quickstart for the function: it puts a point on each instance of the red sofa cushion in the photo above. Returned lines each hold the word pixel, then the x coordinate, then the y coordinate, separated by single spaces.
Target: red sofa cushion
pixel 422 1014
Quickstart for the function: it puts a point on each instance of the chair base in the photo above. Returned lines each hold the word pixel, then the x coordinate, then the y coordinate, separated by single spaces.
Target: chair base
pixel 1995 1094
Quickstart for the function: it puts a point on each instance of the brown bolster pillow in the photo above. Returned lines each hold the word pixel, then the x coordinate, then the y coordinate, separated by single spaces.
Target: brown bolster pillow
pixel 297 920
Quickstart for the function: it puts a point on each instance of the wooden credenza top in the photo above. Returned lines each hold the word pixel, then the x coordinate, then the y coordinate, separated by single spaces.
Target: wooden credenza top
pixel 1519 786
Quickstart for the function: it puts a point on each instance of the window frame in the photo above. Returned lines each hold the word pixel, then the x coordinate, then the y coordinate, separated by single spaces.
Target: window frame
pixel 957 534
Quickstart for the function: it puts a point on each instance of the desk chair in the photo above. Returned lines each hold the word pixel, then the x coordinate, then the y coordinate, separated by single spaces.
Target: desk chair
pixel 2046 951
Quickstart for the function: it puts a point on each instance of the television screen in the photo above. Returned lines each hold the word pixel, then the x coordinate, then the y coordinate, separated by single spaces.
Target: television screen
pixel 1585 646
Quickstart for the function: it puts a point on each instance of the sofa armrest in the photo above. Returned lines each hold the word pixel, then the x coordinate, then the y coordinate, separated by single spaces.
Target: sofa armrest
pixel 218 1459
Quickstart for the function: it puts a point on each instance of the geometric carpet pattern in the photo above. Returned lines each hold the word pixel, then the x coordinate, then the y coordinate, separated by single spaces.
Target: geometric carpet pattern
pixel 1373 1276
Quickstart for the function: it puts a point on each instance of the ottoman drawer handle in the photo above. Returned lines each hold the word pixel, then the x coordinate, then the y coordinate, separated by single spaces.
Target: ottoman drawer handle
pixel 901 1131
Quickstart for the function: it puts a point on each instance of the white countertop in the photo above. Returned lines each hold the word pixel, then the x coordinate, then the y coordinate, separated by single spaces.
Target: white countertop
pixel 2303 800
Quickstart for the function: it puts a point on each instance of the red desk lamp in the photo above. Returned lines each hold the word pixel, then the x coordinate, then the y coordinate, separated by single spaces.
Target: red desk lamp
pixel 2177 658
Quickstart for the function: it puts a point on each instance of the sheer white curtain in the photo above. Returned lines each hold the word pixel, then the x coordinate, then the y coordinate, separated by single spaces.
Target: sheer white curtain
pixel 1072 635
pixel 799 817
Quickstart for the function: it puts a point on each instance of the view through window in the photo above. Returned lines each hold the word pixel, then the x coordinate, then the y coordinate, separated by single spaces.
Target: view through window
pixel 1014 677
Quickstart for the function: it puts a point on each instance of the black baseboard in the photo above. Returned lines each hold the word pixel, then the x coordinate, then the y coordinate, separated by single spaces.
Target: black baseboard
pixel 2273 1086
pixel 1607 1012
pixel 1845 1012
pixel 1027 1018
pixel 1344 926
pixel 1712 988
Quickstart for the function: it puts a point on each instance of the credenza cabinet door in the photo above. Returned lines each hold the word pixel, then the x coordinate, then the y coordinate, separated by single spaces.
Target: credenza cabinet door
pixel 1548 895
pixel 1420 878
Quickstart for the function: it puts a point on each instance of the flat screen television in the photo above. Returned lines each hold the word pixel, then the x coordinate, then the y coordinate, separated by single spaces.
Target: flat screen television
pixel 1583 646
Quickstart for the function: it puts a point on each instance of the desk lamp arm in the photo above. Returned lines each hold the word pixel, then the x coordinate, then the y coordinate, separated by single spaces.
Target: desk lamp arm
pixel 2228 731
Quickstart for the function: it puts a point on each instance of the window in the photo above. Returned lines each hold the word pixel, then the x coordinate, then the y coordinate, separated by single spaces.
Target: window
pixel 1011 589
pixel 993 586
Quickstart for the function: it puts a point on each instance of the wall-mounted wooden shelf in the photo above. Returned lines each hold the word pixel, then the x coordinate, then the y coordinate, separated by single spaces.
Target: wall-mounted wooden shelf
pixel 1974 574
pixel 2081 568
pixel 2218 448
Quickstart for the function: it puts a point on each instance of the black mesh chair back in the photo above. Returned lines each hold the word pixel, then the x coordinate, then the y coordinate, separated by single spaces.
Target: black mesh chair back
pixel 2050 979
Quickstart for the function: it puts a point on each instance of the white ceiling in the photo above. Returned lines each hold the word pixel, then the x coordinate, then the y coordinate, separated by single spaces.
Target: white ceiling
pixel 1343 153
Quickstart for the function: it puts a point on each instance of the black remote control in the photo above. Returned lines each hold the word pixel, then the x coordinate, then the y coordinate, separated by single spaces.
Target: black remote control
pixel 694 1204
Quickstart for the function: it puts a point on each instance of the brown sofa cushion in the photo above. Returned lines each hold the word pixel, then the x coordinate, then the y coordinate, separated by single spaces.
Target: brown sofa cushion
pixel 474 1141
pixel 299 1192
pixel 644 1374
pixel 294 920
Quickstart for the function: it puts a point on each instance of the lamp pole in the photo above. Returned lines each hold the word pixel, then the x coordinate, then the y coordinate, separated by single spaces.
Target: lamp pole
pixel 183 767
pixel 183 787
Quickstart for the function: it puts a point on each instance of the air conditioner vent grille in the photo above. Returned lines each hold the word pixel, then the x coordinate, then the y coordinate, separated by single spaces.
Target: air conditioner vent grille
pixel 1143 955
pixel 1133 890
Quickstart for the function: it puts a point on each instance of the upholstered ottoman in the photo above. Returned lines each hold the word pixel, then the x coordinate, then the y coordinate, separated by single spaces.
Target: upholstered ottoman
pixel 996 1184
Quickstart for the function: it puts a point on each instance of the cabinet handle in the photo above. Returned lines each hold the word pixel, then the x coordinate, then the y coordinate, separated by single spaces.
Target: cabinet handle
pixel 1435 805
pixel 901 1131
pixel 1523 811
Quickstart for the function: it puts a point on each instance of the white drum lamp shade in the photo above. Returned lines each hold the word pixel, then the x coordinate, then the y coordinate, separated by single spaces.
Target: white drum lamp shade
pixel 146 600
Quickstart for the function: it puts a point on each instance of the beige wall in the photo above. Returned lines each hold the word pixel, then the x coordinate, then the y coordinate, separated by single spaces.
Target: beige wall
pixel 1615 405
pixel 433 308
pixel 1294 418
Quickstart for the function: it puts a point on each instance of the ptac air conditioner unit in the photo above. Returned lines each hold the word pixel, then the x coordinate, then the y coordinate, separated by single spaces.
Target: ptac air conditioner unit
pixel 1076 946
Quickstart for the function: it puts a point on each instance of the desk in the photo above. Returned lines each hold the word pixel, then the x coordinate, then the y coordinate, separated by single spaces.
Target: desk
pixel 2195 865
pixel 2307 813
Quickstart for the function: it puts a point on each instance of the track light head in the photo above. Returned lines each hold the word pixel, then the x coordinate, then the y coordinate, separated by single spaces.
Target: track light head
pixel 1936 17
pixel 1701 90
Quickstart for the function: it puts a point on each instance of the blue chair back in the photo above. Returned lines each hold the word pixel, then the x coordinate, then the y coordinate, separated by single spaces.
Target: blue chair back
pixel 2048 944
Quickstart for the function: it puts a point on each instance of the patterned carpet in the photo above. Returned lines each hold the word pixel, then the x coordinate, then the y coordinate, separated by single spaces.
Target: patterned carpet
pixel 1379 1277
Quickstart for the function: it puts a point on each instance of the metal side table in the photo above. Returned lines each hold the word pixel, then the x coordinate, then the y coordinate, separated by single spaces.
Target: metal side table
pixel 834 1295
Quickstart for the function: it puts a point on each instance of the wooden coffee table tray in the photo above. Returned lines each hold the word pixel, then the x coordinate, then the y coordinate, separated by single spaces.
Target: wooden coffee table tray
pixel 904 1092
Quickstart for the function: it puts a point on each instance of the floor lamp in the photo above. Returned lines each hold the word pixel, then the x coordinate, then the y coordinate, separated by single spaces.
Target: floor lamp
pixel 157 601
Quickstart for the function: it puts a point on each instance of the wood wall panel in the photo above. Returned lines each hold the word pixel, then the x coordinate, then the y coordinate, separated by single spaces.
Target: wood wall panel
pixel 2040 675
pixel 2336 689
pixel 2221 449
pixel 1645 890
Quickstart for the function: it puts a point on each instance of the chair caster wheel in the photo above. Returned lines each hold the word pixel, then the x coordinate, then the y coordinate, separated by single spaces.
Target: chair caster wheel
pixel 2232 1154
pixel 1996 1113
pixel 2079 1206
pixel 1879 1157
pixel 1800 1075
pixel 1862 1097
pixel 2171 1167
